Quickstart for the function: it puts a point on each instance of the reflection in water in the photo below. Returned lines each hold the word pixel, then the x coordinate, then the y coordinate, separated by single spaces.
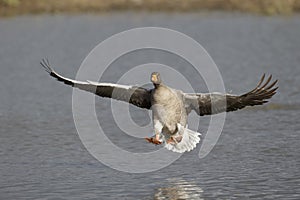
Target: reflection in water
pixel 179 189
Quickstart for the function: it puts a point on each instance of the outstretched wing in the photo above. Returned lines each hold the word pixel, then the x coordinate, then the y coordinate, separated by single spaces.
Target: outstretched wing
pixel 213 103
pixel 137 96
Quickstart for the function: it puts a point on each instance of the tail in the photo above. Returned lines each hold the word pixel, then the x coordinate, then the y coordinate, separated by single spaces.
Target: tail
pixel 189 141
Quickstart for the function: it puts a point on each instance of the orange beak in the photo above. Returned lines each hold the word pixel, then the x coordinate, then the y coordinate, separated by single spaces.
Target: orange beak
pixel 154 78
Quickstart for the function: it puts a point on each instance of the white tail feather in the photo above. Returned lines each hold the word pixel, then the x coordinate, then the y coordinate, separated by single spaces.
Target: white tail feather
pixel 189 141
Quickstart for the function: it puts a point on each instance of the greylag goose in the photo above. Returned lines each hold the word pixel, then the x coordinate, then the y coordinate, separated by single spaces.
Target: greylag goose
pixel 170 107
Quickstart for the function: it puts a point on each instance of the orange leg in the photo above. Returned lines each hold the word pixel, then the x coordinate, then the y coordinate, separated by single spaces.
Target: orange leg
pixel 173 140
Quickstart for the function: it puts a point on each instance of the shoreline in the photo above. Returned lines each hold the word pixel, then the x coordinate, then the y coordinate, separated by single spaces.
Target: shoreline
pixel 261 7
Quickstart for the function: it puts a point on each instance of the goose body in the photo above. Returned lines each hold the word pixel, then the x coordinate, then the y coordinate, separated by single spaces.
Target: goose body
pixel 170 119
pixel 170 107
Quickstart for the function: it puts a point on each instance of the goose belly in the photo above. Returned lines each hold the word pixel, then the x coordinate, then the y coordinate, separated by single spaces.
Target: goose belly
pixel 169 112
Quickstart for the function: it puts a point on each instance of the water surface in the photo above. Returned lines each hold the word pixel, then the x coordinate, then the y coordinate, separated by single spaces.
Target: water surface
pixel 257 155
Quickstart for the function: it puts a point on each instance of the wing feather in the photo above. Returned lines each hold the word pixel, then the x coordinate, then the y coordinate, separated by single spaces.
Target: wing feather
pixel 213 103
pixel 137 96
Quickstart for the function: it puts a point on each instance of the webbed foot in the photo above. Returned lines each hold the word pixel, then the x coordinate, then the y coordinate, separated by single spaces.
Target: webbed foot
pixel 153 141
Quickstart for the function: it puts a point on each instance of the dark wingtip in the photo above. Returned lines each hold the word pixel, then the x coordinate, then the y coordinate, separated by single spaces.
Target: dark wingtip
pixel 267 82
pixel 259 83
pixel 46 65
pixel 272 85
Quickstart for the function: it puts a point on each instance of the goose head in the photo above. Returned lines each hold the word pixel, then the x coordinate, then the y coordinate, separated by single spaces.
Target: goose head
pixel 155 78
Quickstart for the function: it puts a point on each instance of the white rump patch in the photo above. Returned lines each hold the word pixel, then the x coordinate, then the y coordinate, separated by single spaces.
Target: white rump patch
pixel 189 141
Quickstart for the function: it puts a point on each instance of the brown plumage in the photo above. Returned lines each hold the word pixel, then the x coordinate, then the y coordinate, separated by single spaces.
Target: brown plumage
pixel 213 103
pixel 170 107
